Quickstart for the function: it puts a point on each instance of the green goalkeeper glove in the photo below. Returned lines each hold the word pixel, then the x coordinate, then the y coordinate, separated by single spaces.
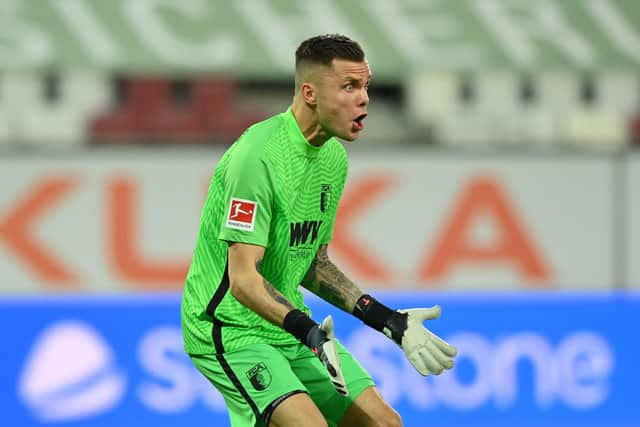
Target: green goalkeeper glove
pixel 427 352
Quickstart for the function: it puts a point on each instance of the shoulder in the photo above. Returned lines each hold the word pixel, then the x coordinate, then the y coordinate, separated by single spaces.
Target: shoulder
pixel 267 127
pixel 254 144
pixel 261 133
pixel 336 153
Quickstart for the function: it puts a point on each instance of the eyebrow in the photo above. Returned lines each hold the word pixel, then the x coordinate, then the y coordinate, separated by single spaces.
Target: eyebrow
pixel 353 78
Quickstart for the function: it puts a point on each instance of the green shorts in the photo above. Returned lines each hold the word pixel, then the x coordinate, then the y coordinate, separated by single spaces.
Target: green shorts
pixel 255 379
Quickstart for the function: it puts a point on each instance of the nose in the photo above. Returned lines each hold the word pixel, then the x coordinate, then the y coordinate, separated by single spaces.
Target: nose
pixel 364 97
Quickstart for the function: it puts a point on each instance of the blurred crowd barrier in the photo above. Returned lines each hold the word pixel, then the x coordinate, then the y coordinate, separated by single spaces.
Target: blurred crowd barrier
pixel 464 73
pixel 546 110
pixel 75 109
pixel 528 111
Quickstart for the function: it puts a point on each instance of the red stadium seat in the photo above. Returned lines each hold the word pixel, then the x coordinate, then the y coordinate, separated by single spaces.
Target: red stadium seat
pixel 150 113
pixel 634 130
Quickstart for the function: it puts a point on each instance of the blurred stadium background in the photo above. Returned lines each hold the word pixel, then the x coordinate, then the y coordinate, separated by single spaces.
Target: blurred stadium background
pixel 498 176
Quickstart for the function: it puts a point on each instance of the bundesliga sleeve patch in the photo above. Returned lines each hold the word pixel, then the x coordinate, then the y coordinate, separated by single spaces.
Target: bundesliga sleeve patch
pixel 242 214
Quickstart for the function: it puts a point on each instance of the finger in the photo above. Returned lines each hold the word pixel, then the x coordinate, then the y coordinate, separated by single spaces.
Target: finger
pixel 332 364
pixel 330 368
pixel 430 362
pixel 430 313
pixel 340 386
pixel 444 346
pixel 339 383
pixel 417 362
pixel 442 358
pixel 327 326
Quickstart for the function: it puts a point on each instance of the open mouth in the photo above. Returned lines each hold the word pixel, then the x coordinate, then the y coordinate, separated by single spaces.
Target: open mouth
pixel 359 121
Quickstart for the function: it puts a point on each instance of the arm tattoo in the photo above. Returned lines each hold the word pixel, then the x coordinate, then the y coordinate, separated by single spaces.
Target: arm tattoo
pixel 275 294
pixel 329 283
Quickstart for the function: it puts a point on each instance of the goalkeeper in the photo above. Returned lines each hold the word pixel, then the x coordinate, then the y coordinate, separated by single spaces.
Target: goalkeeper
pixel 265 227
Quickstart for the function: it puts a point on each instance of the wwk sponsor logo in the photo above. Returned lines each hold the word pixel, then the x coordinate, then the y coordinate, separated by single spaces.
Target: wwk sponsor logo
pixel 301 231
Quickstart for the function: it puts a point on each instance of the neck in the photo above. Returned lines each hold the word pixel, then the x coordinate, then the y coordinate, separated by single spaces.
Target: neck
pixel 308 122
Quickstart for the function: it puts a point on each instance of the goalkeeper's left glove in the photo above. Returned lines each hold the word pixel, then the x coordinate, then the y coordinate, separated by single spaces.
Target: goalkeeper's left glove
pixel 321 341
pixel 427 352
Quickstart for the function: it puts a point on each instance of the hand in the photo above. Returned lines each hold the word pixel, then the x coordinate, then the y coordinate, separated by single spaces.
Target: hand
pixel 427 352
pixel 323 344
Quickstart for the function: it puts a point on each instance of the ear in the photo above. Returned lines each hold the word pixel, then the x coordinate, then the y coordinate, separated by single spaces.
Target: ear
pixel 308 93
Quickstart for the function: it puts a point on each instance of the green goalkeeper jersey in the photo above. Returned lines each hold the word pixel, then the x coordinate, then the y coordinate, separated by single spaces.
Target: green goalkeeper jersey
pixel 274 189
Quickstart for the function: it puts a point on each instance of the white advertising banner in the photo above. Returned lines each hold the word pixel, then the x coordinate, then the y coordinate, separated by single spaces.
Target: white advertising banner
pixel 633 222
pixel 472 222
pixel 127 221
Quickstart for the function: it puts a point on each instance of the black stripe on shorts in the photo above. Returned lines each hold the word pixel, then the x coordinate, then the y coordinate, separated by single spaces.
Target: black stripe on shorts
pixel 216 333
pixel 236 382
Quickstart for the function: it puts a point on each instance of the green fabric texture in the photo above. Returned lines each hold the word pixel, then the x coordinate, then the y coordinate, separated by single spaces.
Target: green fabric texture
pixel 253 377
pixel 289 192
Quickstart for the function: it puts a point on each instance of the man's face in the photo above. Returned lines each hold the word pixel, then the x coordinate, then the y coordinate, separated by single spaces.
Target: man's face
pixel 342 98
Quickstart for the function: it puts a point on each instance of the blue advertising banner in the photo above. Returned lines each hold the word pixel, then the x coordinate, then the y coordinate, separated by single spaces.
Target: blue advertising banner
pixel 526 359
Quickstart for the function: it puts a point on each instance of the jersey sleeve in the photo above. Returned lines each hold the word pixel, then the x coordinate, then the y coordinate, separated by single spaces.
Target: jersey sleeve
pixel 248 196
pixel 335 195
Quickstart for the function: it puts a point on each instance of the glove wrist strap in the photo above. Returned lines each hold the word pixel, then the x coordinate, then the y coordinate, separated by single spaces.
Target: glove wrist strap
pixel 372 312
pixel 298 324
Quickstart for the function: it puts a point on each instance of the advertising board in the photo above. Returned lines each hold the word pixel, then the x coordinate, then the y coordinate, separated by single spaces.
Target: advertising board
pixel 526 359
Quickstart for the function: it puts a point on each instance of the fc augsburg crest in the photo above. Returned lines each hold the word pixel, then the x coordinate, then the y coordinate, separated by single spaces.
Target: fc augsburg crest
pixel 259 376
pixel 325 197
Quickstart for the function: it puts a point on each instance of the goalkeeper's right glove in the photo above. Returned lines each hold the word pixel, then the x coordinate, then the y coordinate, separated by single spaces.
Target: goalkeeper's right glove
pixel 321 341
pixel 427 352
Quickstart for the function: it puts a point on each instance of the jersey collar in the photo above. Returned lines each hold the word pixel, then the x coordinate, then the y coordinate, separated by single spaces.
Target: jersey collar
pixel 297 141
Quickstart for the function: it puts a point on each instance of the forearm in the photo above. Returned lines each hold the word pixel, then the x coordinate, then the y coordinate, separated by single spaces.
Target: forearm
pixel 329 283
pixel 326 280
pixel 255 292
pixel 252 290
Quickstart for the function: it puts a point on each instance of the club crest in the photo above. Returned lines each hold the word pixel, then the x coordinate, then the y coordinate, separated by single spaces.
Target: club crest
pixel 259 376
pixel 325 197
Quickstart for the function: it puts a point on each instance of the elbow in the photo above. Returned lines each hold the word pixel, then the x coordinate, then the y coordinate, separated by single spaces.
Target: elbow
pixel 235 287
pixel 239 288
